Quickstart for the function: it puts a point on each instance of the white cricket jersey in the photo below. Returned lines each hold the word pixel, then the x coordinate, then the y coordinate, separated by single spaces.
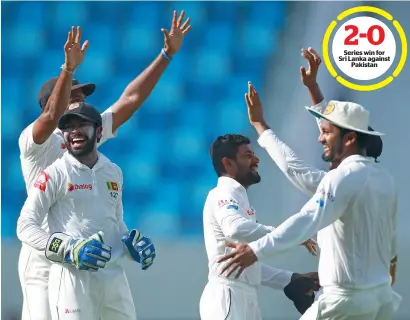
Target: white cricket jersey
pixel 304 177
pixel 79 201
pixel 36 157
pixel 228 215
pixel 354 212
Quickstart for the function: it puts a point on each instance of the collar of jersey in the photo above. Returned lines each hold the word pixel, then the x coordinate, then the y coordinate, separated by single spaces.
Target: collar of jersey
pixel 75 163
pixel 355 158
pixel 230 183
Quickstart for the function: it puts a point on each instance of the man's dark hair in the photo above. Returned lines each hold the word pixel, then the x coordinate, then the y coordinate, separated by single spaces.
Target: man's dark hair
pixel 361 138
pixel 226 146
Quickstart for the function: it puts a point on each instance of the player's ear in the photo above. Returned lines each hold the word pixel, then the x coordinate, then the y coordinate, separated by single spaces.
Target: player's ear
pixel 227 163
pixel 349 138
pixel 99 133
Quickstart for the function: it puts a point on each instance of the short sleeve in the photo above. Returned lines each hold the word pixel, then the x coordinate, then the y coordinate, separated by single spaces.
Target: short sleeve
pixel 107 119
pixel 28 148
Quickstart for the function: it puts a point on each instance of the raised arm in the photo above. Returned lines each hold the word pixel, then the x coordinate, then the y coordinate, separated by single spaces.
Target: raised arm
pixel 47 122
pixel 141 87
pixel 309 77
pixel 304 177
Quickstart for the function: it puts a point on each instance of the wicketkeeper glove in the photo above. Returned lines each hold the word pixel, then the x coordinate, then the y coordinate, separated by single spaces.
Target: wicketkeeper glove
pixel 140 248
pixel 298 291
pixel 85 254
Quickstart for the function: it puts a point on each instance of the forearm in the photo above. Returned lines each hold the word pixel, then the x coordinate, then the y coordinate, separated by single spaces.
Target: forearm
pixel 29 231
pixel 304 177
pixel 138 91
pixel 260 127
pixel 316 95
pixel 275 278
pixel 290 233
pixel 54 109
pixel 246 231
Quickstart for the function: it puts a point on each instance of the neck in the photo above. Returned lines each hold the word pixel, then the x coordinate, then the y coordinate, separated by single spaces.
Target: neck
pixel 89 160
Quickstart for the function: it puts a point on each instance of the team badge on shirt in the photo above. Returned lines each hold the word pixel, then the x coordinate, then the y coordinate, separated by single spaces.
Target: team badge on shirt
pixel 41 182
pixel 251 212
pixel 112 186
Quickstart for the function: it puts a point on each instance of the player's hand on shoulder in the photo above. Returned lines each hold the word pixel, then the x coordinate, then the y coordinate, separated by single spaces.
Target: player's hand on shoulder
pixel 140 248
pixel 85 254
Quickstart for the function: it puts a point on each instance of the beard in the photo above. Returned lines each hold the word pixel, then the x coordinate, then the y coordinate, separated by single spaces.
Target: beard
pixel 86 147
pixel 335 153
pixel 249 178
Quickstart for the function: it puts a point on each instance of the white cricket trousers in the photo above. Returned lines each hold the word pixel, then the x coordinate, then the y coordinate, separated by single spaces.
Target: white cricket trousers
pixel 224 299
pixel 379 303
pixel 84 295
pixel 33 269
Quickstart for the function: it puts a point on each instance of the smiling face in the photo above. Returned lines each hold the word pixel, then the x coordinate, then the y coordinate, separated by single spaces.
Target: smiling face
pixel 332 142
pixel 339 143
pixel 80 136
pixel 245 166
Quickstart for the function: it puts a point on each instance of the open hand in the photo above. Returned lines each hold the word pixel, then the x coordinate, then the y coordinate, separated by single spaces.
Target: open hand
pixel 173 39
pixel 241 258
pixel 255 111
pixel 74 55
pixel 309 77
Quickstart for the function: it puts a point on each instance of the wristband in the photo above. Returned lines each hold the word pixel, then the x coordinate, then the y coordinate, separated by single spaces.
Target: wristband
pixel 165 55
pixel 64 68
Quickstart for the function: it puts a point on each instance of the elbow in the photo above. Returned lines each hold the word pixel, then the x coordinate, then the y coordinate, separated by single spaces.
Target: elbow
pixel 51 116
pixel 23 224
pixel 234 233
pixel 20 229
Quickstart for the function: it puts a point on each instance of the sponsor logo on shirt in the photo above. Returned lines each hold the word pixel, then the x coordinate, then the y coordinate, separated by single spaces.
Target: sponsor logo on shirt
pixel 251 212
pixel 41 182
pixel 320 202
pixel 232 206
pixel 326 194
pixel 224 202
pixel 72 187
pixel 72 310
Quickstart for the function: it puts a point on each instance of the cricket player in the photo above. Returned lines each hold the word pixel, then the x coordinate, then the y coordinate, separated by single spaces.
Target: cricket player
pixel 353 212
pixel 41 143
pixel 82 194
pixel 229 215
pixel 304 177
